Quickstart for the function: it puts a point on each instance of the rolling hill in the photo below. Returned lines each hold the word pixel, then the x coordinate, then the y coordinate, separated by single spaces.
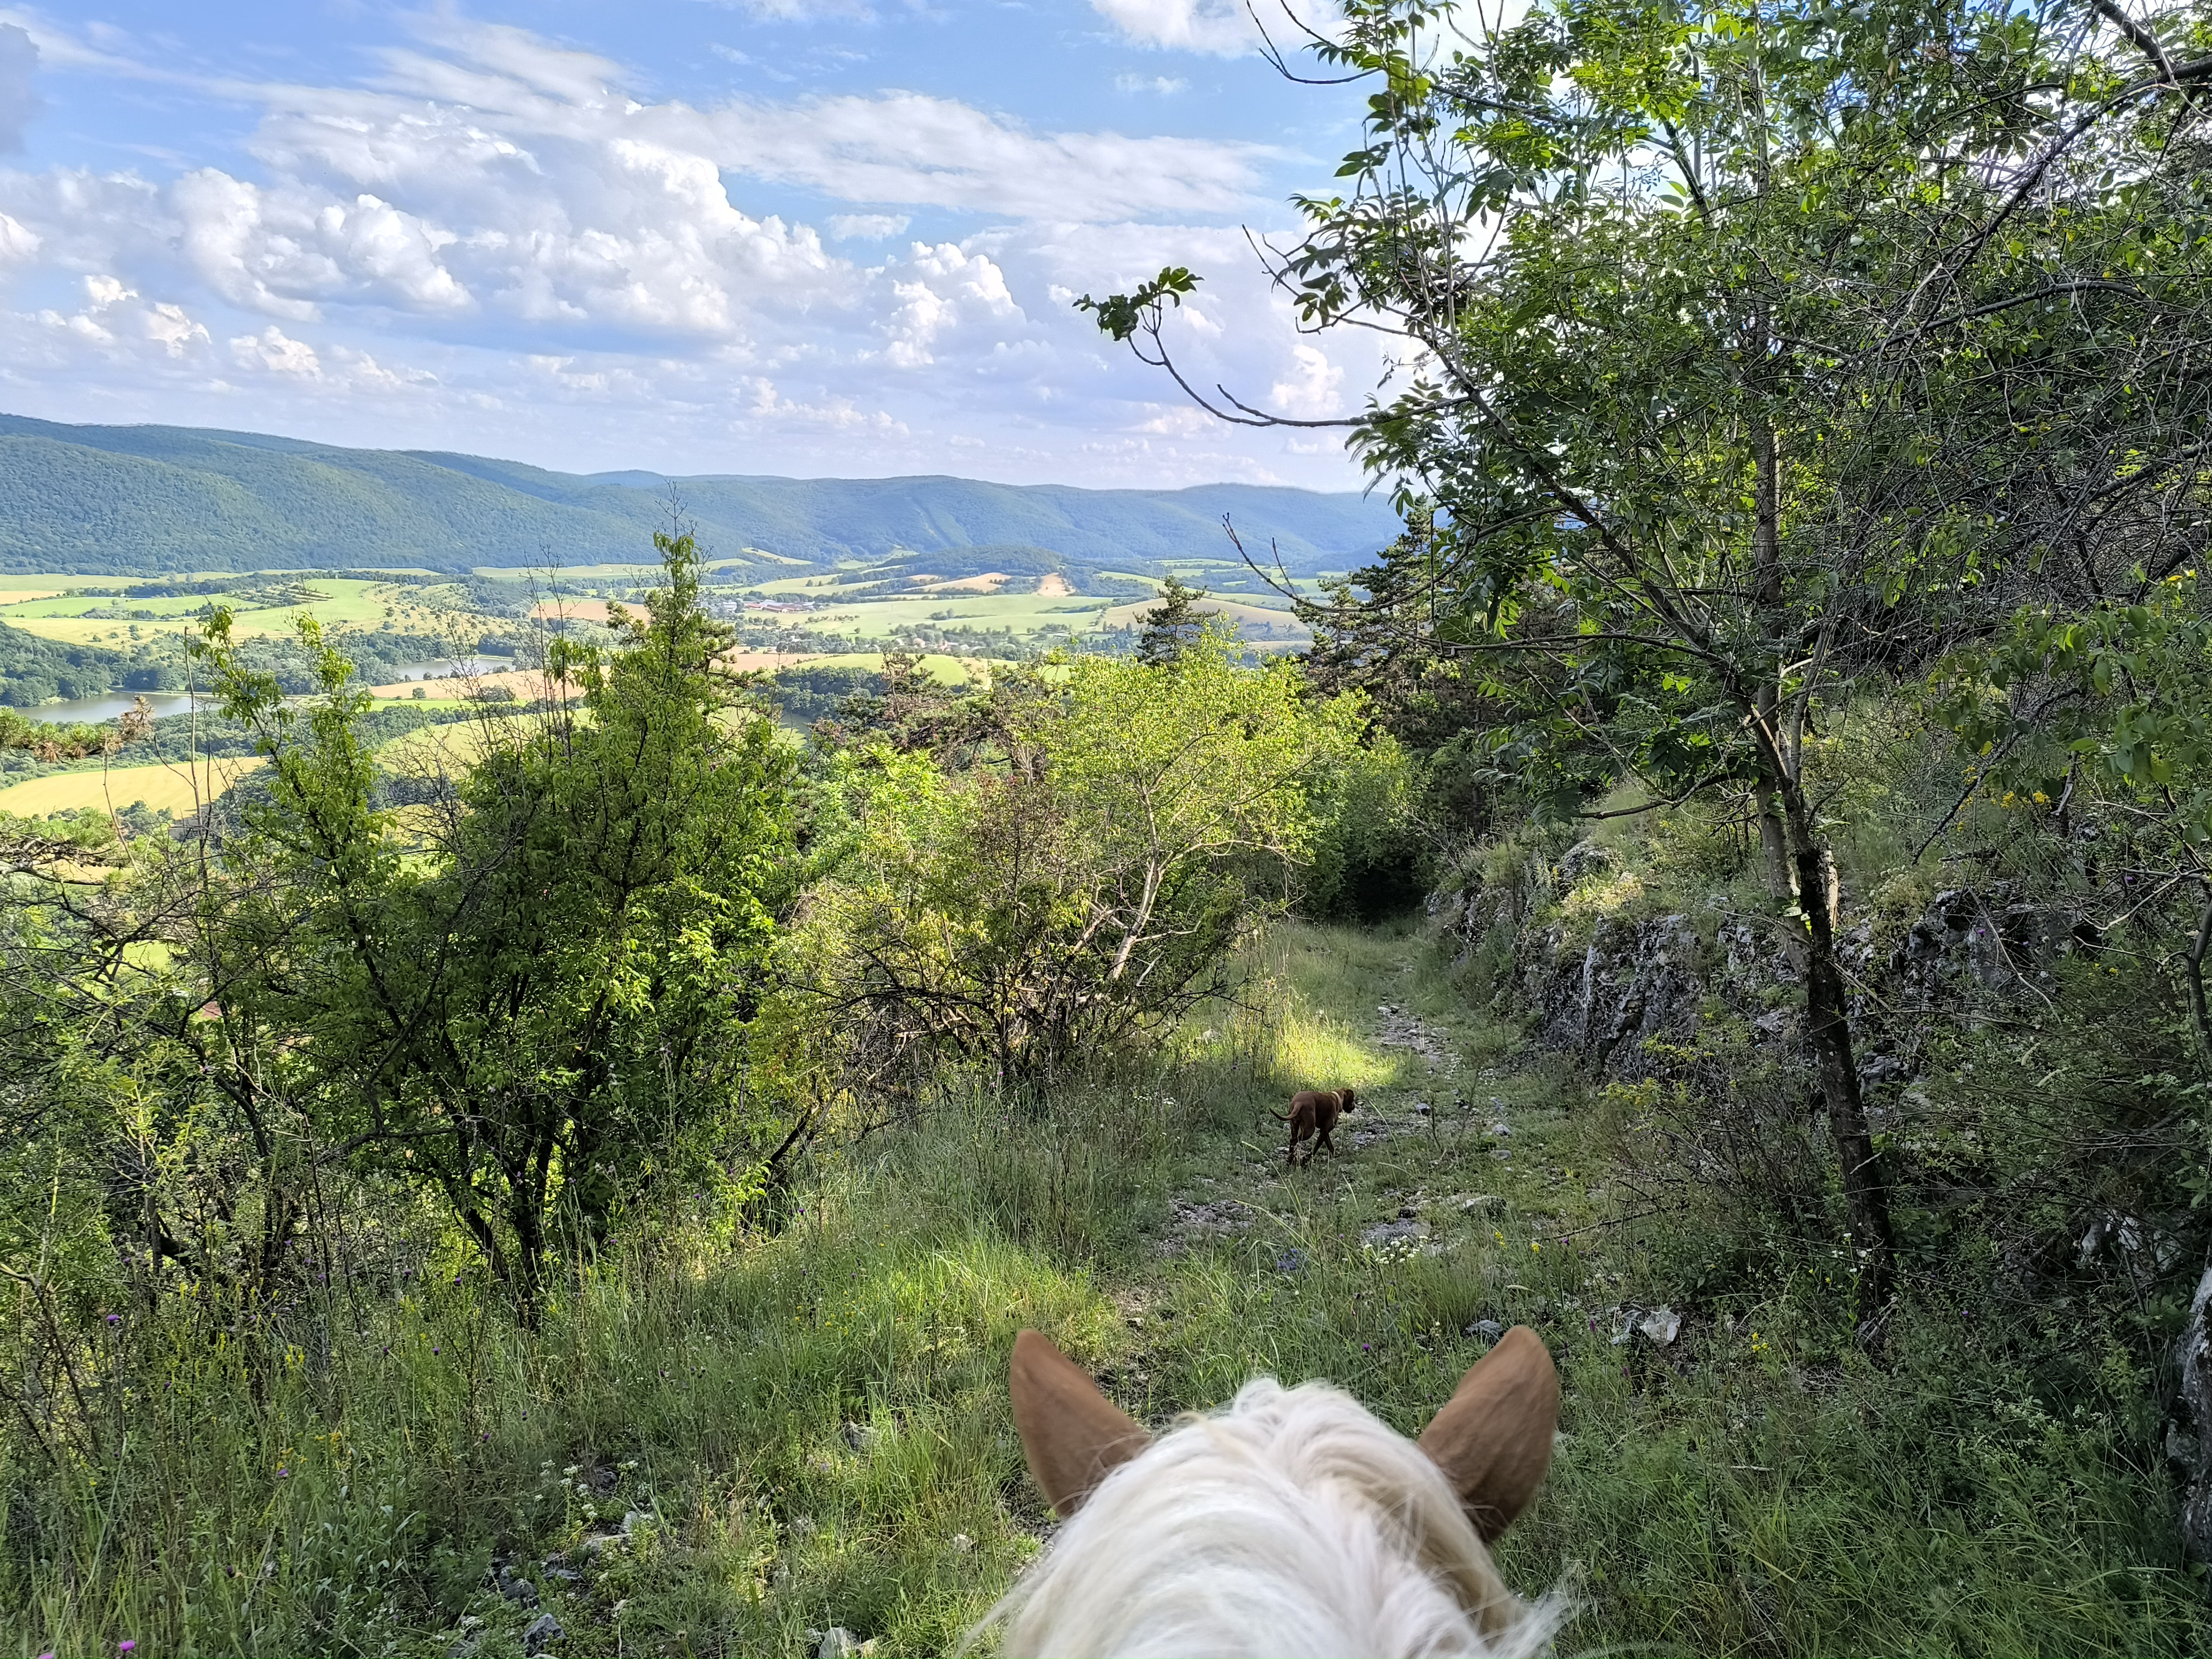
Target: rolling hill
pixel 149 499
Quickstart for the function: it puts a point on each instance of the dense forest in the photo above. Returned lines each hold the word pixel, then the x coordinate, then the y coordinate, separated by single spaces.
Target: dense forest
pixel 133 500
pixel 572 1186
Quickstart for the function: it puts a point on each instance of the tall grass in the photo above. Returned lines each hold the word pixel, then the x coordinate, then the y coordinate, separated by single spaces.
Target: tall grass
pixel 809 1428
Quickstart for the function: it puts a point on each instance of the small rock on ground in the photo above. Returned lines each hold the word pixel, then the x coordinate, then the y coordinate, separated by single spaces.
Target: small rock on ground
pixel 544 1631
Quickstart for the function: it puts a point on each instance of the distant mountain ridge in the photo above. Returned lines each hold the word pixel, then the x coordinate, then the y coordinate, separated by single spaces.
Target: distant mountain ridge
pixel 145 499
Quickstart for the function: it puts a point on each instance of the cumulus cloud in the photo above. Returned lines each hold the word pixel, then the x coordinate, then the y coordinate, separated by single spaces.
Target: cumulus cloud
pixel 512 242
pixel 1222 27
pixel 867 227
pixel 274 350
pixel 945 291
pixel 488 171
pixel 19 243
pixel 1210 26
pixel 115 316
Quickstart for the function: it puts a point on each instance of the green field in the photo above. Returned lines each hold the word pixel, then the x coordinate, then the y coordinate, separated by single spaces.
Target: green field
pixel 338 601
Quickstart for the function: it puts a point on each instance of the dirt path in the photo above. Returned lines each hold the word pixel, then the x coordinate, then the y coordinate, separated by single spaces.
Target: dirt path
pixel 1450 1140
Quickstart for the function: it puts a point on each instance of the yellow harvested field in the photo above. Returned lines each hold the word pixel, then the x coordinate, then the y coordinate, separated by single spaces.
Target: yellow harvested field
pixel 575 609
pixel 745 661
pixel 1253 617
pixel 526 684
pixel 1054 585
pixel 182 789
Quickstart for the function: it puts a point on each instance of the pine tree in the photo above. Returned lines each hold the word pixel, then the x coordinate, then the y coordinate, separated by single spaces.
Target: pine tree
pixel 1171 627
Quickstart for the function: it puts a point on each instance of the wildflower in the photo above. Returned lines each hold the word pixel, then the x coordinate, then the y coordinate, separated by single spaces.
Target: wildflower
pixel 1364 1348
pixel 115 1318
pixel 283 1473
pixel 125 1646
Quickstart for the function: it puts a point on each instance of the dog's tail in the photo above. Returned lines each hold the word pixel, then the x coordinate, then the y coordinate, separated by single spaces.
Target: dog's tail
pixel 1280 1117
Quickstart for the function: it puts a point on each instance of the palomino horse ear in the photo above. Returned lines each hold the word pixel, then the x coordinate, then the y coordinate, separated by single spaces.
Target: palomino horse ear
pixel 1072 1435
pixel 1494 1437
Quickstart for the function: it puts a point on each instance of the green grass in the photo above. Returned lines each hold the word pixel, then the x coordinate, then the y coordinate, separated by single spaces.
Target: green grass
pixel 813 1427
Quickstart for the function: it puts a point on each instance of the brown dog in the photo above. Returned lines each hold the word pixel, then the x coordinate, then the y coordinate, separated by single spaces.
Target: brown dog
pixel 1313 1112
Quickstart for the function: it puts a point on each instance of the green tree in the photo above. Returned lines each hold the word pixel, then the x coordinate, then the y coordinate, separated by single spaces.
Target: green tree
pixel 1171 627
pixel 527 996
pixel 1746 352
pixel 1085 878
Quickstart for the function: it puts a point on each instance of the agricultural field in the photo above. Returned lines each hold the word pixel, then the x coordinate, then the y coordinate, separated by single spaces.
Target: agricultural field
pixel 261 605
pixel 180 789
pixel 1029 608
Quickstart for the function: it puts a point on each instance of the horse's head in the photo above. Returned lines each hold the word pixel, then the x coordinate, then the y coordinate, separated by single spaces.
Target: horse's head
pixel 1293 1521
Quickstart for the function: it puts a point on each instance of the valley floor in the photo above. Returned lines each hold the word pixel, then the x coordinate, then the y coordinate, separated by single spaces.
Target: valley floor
pixel 734 1446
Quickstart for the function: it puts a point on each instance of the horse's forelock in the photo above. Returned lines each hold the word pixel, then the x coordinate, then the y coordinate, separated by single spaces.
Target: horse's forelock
pixel 1292 1522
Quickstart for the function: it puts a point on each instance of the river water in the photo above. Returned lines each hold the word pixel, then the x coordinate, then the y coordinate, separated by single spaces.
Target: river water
pixel 93 710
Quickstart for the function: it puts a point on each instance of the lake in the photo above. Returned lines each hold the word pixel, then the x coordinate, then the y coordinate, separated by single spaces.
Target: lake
pixel 95 710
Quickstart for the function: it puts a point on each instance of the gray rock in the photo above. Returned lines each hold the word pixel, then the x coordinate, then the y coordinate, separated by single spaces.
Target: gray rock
pixel 1488 1329
pixel 544 1630
pixel 2193 1355
pixel 1403 1231
pixel 521 1591
pixel 837 1643
pixel 1581 861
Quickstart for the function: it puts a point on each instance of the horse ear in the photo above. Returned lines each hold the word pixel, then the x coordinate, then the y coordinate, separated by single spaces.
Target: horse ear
pixel 1494 1437
pixel 1072 1435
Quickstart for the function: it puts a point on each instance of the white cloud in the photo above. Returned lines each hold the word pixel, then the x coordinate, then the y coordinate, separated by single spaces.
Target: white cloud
pixel 19 243
pixel 116 316
pixel 1165 86
pixel 1212 26
pixel 947 292
pixel 167 326
pixel 272 350
pixel 508 241
pixel 867 227
pixel 802 11
pixel 492 172
pixel 1223 28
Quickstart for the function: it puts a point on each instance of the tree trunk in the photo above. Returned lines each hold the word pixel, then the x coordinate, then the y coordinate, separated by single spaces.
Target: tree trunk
pixel 1866 1198
pixel 1765 595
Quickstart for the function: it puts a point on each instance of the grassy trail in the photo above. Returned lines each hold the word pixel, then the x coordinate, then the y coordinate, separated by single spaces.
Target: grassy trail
pixel 719 1441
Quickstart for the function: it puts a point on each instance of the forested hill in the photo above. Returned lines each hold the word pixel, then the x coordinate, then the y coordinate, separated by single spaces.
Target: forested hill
pixel 141 499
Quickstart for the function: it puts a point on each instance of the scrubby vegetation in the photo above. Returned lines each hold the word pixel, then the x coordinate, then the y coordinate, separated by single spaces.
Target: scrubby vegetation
pixel 568 1181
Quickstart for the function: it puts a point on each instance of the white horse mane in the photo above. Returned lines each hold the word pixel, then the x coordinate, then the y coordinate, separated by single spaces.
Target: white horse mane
pixel 1292 1524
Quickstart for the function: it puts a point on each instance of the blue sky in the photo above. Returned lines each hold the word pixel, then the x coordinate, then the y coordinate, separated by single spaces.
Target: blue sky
pixel 693 236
